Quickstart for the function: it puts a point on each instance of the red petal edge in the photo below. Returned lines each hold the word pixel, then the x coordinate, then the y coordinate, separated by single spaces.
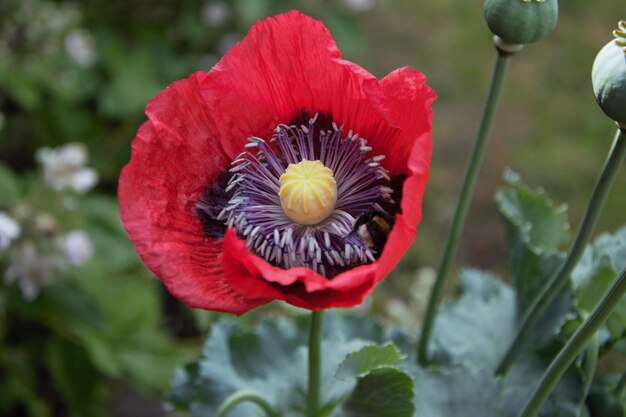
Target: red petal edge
pixel 172 161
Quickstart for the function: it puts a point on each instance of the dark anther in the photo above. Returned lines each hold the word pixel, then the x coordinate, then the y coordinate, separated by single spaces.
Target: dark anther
pixel 213 202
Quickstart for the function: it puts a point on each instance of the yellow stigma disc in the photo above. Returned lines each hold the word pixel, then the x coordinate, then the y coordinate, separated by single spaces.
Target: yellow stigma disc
pixel 308 192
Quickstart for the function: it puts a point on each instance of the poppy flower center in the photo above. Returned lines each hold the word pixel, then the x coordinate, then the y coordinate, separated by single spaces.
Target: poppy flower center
pixel 308 192
pixel 308 197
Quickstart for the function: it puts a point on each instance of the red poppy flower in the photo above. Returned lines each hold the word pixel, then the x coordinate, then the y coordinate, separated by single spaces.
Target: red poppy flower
pixel 206 198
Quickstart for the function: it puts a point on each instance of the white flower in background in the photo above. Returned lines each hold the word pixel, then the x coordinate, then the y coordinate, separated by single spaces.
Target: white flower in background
pixel 397 309
pixel 30 270
pixel 79 45
pixel 360 5
pixel 77 247
pixel 45 224
pixel 63 168
pixel 215 13
pixel 9 230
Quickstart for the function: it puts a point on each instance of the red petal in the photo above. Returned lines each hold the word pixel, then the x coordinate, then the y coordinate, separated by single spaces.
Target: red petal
pixel 302 287
pixel 285 64
pixel 411 110
pixel 173 160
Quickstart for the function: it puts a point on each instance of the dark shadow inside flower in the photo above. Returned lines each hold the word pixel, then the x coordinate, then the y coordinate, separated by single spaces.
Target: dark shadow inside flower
pixel 352 232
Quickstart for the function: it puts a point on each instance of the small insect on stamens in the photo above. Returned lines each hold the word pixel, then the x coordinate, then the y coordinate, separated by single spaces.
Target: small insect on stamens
pixel 374 228
pixel 295 197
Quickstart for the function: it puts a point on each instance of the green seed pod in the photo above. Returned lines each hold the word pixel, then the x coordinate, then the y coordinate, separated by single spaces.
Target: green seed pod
pixel 609 77
pixel 521 21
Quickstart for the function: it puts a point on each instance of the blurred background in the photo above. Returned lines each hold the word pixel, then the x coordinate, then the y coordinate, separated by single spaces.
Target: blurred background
pixel 85 330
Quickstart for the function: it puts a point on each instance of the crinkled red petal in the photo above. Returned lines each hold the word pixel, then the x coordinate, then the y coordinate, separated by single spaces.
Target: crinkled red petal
pixel 288 63
pixel 247 272
pixel 173 159
pixel 411 109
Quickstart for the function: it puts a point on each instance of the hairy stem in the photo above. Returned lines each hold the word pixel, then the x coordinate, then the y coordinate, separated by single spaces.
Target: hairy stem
pixel 315 345
pixel 575 345
pixel 467 189
pixel 555 284
pixel 245 396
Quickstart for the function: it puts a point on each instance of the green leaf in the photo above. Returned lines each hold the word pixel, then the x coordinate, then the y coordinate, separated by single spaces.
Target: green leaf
pixel 384 392
pixel 270 359
pixel 594 273
pixel 454 391
pixel 130 343
pixel 472 392
pixel 9 185
pixel 477 327
pixel 114 251
pixel 521 381
pixel 533 214
pixel 368 359
pixel 75 377
pixel 535 230
pixel 470 335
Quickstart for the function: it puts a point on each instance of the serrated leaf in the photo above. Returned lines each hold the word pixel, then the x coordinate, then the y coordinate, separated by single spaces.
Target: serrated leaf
pixel 594 273
pixel 470 335
pixel 270 359
pixel 456 391
pixel 478 326
pixel 384 392
pixel 535 230
pixel 521 381
pixel 360 363
pixel 467 392
pixel 532 213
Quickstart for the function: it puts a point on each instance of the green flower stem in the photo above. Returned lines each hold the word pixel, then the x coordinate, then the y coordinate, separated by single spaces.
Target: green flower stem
pixel 315 347
pixel 245 396
pixel 591 362
pixel 621 386
pixel 560 279
pixel 575 345
pixel 467 189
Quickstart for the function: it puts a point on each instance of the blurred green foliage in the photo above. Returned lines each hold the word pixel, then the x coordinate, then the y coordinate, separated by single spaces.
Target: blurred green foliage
pixel 86 324
pixel 83 72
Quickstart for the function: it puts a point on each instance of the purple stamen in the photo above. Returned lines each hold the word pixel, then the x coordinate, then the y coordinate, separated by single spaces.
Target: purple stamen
pixel 254 207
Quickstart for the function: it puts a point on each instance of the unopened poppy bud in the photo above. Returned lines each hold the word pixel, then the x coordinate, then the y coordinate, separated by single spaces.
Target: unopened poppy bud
pixel 521 21
pixel 608 77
